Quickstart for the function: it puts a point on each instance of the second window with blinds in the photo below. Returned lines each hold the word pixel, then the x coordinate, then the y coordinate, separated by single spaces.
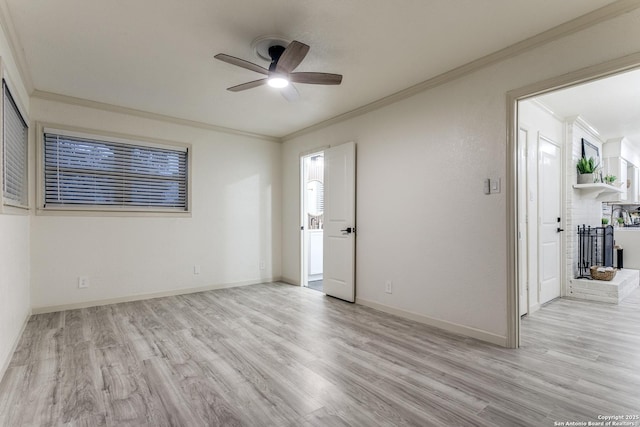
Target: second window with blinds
pixel 14 153
pixel 90 172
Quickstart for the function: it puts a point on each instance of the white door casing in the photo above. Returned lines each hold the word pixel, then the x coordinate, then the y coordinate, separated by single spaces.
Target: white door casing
pixel 523 241
pixel 549 206
pixel 340 221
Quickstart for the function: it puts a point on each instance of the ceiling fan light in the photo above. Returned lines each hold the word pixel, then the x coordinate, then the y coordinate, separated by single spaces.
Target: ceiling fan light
pixel 278 82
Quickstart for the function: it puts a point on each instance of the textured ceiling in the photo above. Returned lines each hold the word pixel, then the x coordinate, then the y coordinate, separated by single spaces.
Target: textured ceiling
pixel 157 55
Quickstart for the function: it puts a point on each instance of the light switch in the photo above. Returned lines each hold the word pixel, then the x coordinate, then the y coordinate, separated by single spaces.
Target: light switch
pixel 495 185
pixel 492 186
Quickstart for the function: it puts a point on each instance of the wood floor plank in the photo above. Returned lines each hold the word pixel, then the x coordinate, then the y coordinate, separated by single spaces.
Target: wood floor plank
pixel 279 355
pixel 12 390
pixel 102 330
pixel 164 385
pixel 125 393
pixel 80 383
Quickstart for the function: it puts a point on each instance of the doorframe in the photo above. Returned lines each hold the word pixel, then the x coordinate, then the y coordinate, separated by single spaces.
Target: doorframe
pixel 583 75
pixel 303 264
pixel 523 236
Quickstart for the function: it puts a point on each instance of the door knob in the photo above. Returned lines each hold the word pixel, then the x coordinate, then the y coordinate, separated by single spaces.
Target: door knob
pixel 560 229
pixel 346 231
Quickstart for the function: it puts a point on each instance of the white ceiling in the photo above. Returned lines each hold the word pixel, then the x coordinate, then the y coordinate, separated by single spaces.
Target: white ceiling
pixel 157 55
pixel 610 105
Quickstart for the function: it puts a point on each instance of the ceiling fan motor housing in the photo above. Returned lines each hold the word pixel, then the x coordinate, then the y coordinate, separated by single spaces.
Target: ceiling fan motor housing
pixel 275 52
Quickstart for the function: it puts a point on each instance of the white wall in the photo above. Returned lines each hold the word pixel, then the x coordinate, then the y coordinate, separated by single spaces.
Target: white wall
pixel 235 223
pixel 14 282
pixel 14 241
pixel 629 240
pixel 421 155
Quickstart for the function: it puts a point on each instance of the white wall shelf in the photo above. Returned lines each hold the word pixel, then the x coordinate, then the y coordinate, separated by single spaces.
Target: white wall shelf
pixel 597 189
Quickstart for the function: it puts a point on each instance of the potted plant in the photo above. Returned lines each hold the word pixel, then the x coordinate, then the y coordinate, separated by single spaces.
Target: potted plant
pixel 620 221
pixel 605 221
pixel 610 179
pixel 586 170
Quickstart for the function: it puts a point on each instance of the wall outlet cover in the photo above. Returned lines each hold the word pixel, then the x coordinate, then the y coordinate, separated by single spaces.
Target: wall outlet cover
pixel 83 282
pixel 388 286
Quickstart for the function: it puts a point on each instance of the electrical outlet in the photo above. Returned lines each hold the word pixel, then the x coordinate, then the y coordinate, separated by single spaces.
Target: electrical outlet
pixel 83 282
pixel 388 286
pixel 196 269
pixel 262 265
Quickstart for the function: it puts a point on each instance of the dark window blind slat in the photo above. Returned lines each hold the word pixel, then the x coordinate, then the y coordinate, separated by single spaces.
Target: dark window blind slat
pixel 84 171
pixel 14 183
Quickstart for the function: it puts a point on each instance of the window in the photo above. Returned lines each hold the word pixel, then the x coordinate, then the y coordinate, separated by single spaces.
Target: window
pixel 14 152
pixel 84 172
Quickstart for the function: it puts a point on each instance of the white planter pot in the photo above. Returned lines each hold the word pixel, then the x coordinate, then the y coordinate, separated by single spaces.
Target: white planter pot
pixel 585 178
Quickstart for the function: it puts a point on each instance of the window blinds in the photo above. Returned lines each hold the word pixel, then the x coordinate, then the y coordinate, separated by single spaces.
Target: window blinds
pixel 15 137
pixel 82 171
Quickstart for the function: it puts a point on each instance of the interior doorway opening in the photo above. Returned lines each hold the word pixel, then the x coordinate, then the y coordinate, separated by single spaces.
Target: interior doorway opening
pixel 312 220
pixel 527 139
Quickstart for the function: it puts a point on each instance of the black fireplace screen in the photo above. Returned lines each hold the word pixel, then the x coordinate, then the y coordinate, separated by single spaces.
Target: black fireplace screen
pixel 595 247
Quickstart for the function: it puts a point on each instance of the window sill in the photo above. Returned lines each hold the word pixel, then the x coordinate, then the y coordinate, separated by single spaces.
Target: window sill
pixel 9 209
pixel 97 212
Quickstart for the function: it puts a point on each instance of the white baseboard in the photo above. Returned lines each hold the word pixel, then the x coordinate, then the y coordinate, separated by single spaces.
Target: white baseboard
pixel 5 365
pixel 290 281
pixel 138 297
pixel 441 324
pixel 534 308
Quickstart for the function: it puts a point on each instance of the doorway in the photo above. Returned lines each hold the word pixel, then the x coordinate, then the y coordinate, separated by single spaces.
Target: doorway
pixel 312 220
pixel 523 265
pixel 327 218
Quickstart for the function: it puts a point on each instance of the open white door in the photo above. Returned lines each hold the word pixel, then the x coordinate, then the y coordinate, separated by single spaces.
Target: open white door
pixel 340 221
pixel 549 219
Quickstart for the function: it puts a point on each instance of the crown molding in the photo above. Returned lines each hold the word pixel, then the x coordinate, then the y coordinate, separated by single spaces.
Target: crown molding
pixel 585 125
pixel 544 107
pixel 597 16
pixel 14 45
pixel 71 100
pixel 18 53
pixel 587 20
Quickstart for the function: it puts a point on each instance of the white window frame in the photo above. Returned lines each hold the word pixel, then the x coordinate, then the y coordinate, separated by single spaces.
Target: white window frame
pixel 7 205
pixel 98 210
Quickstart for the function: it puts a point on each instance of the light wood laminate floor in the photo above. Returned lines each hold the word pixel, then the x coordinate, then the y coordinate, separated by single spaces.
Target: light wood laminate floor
pixel 279 355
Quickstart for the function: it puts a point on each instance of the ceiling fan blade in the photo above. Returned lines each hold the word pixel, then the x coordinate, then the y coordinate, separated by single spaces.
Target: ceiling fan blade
pixel 248 85
pixel 291 57
pixel 290 93
pixel 242 63
pixel 316 78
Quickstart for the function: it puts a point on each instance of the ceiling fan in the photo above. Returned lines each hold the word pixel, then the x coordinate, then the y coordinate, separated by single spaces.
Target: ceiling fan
pixel 280 73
